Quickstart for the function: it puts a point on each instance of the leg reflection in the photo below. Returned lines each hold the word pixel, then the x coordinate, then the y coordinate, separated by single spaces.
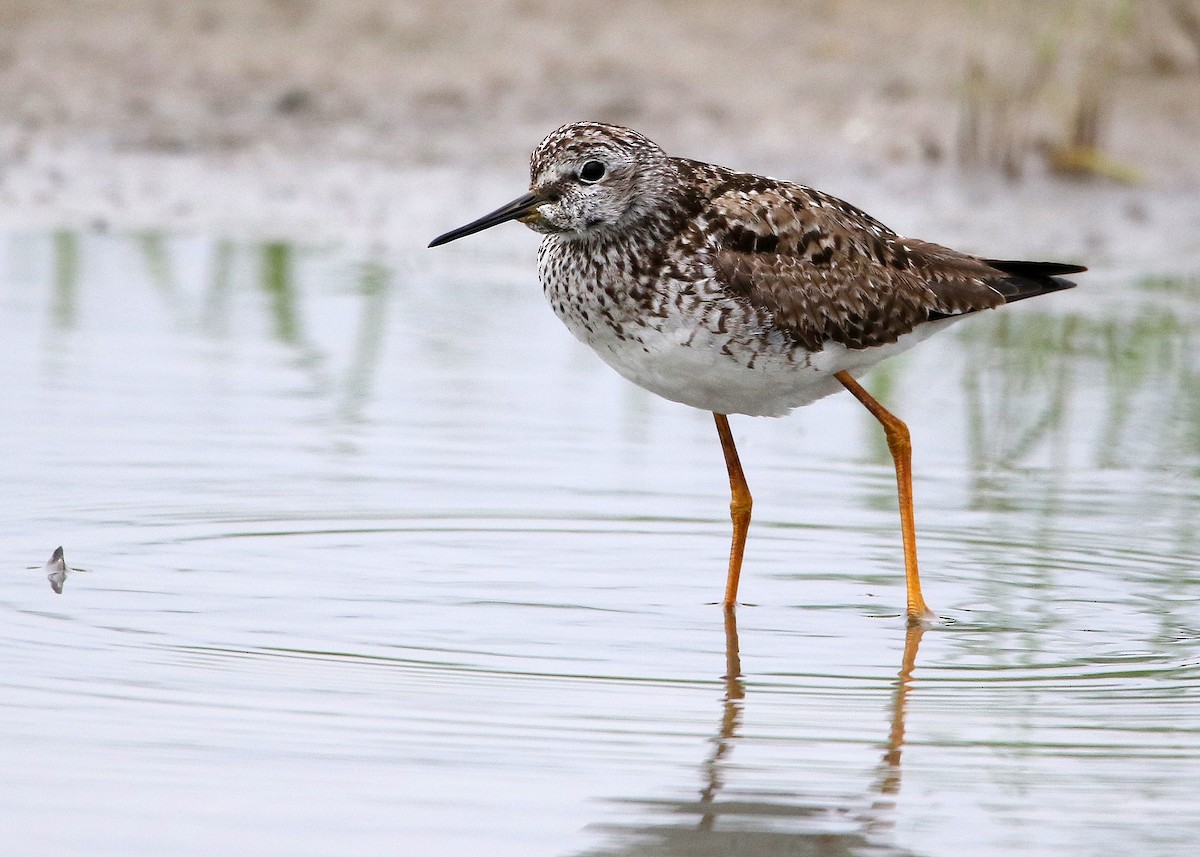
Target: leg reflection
pixel 731 716
pixel 734 816
pixel 887 783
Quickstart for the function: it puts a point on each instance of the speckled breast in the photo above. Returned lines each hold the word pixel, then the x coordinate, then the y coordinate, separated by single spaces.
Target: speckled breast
pixel 683 339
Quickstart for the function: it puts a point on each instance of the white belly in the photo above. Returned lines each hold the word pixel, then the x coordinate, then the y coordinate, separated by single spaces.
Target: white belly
pixel 758 374
pixel 691 342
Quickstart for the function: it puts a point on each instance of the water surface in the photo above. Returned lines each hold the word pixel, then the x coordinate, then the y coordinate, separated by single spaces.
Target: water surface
pixel 379 560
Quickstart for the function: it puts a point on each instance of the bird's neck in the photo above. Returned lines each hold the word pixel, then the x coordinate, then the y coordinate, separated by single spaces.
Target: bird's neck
pixel 645 228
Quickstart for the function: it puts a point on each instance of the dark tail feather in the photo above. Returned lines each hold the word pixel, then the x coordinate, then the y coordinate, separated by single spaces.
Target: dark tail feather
pixel 1030 279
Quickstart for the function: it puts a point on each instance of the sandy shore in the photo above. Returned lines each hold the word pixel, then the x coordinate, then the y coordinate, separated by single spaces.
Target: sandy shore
pixel 343 120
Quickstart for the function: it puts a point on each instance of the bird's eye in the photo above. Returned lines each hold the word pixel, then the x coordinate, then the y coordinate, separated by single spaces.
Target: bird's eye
pixel 592 171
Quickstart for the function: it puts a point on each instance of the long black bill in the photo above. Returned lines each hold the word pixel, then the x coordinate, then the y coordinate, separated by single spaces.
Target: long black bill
pixel 515 209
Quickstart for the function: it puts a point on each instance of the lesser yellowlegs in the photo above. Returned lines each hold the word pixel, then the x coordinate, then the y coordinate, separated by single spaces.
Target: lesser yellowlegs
pixel 741 294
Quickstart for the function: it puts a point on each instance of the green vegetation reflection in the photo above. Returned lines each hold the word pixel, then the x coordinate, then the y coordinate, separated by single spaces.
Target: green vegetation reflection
pixel 210 287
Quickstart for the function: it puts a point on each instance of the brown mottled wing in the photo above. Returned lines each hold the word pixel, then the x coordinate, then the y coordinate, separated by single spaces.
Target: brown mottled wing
pixel 829 272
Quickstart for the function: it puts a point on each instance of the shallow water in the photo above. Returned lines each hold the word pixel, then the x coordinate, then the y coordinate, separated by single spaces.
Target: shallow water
pixel 379 560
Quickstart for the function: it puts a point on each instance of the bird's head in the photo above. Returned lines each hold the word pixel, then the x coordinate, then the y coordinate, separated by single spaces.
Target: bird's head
pixel 586 179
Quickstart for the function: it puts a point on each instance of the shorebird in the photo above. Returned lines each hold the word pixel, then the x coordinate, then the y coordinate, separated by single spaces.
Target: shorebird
pixel 741 294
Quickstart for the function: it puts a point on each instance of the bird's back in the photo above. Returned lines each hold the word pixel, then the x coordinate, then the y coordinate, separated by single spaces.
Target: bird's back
pixel 828 272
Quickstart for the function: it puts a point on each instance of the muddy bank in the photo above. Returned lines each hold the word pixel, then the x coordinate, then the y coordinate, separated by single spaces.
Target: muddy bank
pixel 357 120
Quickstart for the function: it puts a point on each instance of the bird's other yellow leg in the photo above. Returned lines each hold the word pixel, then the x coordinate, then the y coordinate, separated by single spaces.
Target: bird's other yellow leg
pixel 739 509
pixel 901 446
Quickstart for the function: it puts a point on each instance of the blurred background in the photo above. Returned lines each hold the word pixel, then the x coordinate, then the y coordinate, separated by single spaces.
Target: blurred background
pixel 348 117
pixel 364 554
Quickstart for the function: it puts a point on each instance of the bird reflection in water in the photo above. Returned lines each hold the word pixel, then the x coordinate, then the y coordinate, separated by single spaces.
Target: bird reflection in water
pixel 766 825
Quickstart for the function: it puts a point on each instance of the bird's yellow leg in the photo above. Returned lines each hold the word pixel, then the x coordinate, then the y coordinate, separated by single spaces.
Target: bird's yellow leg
pixel 739 509
pixel 901 446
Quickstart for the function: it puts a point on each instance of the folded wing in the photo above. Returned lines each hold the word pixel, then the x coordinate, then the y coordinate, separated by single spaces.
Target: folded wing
pixel 828 272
